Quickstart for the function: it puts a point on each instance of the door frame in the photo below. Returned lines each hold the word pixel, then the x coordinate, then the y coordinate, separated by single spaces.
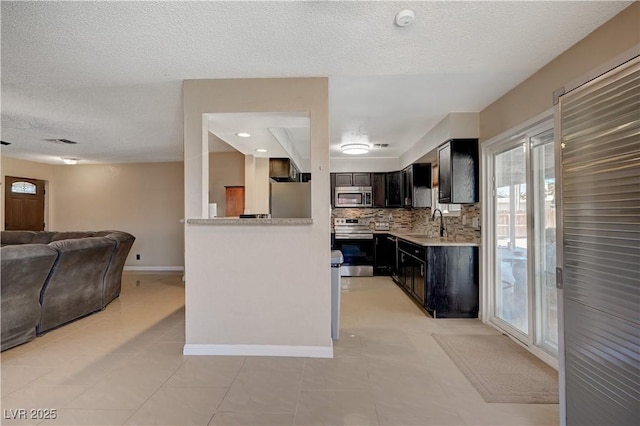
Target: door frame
pixel 500 143
pixel 3 198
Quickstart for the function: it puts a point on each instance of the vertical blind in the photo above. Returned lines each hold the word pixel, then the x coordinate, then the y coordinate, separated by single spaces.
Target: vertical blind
pixel 600 140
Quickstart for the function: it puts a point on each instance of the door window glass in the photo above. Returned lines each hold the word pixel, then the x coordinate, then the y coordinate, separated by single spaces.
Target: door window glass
pixel 23 188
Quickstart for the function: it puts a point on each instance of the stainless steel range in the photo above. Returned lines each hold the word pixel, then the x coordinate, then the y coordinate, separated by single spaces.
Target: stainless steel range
pixel 355 240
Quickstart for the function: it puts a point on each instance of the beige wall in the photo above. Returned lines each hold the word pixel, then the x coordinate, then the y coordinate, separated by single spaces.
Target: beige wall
pixel 144 199
pixel 225 169
pixel 28 169
pixel 535 95
pixel 256 179
pixel 257 289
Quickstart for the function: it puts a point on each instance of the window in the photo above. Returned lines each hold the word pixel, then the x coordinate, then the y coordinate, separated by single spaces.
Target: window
pixel 23 188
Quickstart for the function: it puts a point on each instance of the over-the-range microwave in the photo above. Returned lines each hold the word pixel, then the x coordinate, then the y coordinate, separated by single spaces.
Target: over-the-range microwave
pixel 353 196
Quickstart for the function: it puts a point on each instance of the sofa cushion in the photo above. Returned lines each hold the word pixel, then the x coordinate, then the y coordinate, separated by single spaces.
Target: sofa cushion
pixel 113 276
pixel 75 286
pixel 43 237
pixel 16 237
pixel 59 236
pixel 25 269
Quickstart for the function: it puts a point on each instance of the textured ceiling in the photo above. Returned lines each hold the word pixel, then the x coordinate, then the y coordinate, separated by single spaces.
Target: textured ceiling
pixel 109 74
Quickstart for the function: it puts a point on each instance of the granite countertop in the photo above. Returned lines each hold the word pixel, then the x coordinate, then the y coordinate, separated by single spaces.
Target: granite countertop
pixel 237 221
pixel 426 240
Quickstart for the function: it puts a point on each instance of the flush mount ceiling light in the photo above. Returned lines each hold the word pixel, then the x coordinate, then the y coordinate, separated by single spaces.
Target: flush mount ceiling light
pixel 243 134
pixel 70 161
pixel 405 18
pixel 261 150
pixel 355 148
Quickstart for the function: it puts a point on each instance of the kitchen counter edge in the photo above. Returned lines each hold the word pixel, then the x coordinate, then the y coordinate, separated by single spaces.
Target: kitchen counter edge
pixel 266 222
pixel 429 241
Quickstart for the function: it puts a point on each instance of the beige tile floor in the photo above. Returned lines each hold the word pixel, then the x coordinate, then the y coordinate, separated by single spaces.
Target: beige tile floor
pixel 125 366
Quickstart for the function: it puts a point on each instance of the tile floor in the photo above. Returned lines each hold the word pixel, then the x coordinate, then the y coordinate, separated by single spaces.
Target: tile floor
pixel 125 366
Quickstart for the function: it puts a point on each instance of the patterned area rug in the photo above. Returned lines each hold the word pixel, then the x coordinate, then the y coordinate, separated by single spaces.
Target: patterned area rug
pixel 501 370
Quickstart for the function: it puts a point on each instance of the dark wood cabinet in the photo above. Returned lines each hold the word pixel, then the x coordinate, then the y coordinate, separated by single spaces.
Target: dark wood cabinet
pixel 417 185
pixel 442 279
pixel 378 184
pixel 458 172
pixel 384 254
pixel 353 179
pixel 394 192
pixel 283 170
pixel 343 179
pixel 361 179
pixel 332 180
pixel 407 185
pixel 452 282
pixel 413 269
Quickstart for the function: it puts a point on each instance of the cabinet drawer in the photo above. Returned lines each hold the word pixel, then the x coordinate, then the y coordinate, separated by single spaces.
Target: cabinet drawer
pixel 414 250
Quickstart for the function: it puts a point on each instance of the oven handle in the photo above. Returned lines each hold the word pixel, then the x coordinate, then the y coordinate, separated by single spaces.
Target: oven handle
pixel 354 237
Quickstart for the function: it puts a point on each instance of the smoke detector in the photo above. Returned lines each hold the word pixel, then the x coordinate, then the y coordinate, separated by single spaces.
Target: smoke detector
pixel 405 18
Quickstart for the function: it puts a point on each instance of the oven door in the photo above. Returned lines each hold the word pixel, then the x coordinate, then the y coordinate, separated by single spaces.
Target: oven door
pixel 358 257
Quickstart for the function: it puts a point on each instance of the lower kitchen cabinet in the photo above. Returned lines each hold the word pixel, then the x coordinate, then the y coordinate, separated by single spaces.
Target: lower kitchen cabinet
pixel 384 258
pixel 452 282
pixel 442 279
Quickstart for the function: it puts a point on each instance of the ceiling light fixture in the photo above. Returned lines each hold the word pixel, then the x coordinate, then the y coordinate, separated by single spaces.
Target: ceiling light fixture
pixel 405 18
pixel 243 134
pixel 70 161
pixel 261 150
pixel 355 148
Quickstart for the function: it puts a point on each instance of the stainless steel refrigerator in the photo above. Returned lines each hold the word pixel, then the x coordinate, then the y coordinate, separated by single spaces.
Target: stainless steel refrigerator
pixel 290 199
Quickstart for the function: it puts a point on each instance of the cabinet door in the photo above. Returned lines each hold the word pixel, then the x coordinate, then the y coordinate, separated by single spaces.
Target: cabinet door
pixel 464 171
pixel 379 182
pixel 444 173
pixel 394 189
pixel 382 255
pixel 421 185
pixel 407 184
pixel 401 268
pixel 332 180
pixel 436 290
pixel 419 273
pixel 344 179
pixel 361 179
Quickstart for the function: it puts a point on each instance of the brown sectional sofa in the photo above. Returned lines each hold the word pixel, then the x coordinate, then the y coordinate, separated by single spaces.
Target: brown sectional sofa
pixel 51 278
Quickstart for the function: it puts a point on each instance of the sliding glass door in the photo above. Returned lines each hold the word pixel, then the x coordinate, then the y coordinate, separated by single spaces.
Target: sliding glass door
pixel 511 295
pixel 544 229
pixel 523 299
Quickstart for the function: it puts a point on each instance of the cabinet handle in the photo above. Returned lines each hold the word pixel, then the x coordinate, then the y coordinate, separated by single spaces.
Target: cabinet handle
pixel 422 269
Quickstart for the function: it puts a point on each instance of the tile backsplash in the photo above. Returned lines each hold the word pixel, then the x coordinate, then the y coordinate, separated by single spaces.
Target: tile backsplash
pixel 418 220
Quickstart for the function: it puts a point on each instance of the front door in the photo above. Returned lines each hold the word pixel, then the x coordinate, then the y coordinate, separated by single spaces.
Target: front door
pixel 24 204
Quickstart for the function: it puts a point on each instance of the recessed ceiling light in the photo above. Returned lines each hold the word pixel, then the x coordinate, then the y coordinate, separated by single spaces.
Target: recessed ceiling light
pixel 355 148
pixel 243 134
pixel 261 150
pixel 70 161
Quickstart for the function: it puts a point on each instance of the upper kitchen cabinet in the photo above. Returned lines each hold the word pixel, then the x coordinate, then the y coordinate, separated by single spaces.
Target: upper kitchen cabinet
pixel 417 185
pixel 378 184
pixel 394 189
pixel 353 179
pixel 458 172
pixel 283 170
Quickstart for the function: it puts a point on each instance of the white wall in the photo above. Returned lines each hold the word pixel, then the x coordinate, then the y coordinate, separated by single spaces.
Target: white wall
pixel 254 288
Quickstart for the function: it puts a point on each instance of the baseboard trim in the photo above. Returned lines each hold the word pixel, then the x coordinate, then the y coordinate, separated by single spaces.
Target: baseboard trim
pixel 259 350
pixel 154 268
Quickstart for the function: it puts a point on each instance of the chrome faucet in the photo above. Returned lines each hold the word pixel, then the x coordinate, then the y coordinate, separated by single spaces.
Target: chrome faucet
pixel 433 217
